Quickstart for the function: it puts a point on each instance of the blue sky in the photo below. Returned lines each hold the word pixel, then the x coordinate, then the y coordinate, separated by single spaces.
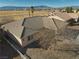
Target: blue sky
pixel 53 3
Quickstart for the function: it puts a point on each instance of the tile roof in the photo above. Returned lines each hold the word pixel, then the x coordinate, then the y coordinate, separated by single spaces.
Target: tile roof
pixel 15 27
pixel 32 25
pixel 63 15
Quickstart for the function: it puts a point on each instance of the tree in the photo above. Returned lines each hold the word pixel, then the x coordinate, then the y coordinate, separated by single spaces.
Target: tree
pixel 69 9
pixel 32 10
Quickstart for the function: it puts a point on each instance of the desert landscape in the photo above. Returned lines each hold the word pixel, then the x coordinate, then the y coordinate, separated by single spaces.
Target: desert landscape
pixel 17 15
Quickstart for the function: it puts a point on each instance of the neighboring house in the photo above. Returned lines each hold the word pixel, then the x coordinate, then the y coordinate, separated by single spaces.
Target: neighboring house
pixel 61 21
pixel 61 18
pixel 24 30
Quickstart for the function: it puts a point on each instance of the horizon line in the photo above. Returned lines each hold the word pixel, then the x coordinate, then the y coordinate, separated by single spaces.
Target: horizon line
pixel 41 5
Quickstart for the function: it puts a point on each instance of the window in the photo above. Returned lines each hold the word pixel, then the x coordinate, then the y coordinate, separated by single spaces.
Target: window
pixel 30 37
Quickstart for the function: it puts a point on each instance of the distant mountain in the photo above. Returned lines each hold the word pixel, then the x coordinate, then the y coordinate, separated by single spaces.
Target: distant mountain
pixel 22 8
pixel 12 8
pixel 42 7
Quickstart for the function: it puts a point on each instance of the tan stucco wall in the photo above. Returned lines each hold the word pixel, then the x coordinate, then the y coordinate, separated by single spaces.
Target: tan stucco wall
pixel 24 41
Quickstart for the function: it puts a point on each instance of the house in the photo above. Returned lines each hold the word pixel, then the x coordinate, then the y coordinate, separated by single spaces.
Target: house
pixel 62 21
pixel 24 31
pixel 62 18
